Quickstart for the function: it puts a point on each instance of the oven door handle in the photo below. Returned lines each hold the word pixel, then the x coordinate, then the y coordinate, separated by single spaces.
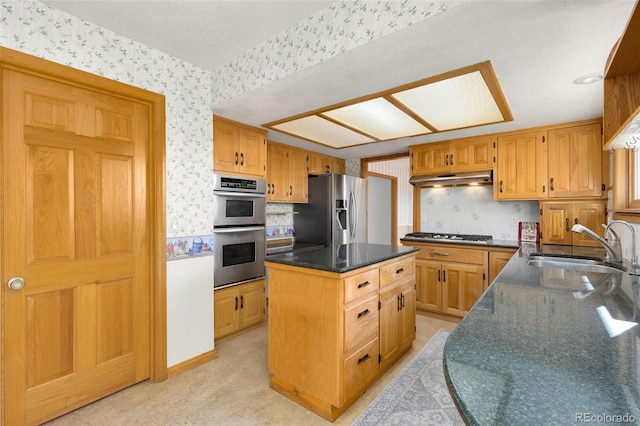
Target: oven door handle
pixel 238 229
pixel 240 194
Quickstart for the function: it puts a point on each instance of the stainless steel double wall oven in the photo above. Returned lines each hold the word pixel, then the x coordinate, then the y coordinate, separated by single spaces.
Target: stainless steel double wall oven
pixel 239 206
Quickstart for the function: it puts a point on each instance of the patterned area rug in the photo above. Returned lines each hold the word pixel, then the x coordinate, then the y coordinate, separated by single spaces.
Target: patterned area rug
pixel 418 395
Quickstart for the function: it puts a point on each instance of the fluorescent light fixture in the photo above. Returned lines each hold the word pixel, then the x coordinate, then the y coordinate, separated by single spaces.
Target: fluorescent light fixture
pixel 466 97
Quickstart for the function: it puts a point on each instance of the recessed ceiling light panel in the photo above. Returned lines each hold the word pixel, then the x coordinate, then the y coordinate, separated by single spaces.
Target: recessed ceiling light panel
pixel 379 118
pixel 455 103
pixel 320 130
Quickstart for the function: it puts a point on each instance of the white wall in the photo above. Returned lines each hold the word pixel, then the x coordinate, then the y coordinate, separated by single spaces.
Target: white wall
pixel 379 211
pixel 399 168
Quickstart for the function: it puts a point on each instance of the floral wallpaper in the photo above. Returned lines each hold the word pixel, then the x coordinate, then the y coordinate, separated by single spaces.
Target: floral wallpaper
pixel 337 29
pixel 447 210
pixel 39 30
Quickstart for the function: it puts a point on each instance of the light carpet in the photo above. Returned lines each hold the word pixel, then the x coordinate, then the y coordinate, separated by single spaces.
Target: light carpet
pixel 418 395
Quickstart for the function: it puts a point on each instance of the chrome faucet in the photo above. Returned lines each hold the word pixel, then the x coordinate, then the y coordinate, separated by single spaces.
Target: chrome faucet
pixel 617 245
pixel 612 255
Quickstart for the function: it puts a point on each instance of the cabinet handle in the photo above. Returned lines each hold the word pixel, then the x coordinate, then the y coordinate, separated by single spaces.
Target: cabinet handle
pixel 364 358
pixel 236 303
pixel 575 220
pixel 363 313
pixel 402 299
pixel 399 305
pixel 241 302
pixel 451 160
pixel 364 284
pixel 567 225
pixel 439 253
pixel 242 158
pixel 236 155
pixel 399 271
pixel 444 276
pixel 438 275
pixel 446 160
pixel 501 186
pixel 551 186
pixel 290 190
pixel 273 188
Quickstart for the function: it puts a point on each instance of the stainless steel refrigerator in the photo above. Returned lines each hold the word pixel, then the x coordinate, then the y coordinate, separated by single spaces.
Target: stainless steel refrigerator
pixel 336 213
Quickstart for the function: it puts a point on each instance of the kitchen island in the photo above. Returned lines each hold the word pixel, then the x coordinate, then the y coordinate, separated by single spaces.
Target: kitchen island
pixel 338 319
pixel 540 347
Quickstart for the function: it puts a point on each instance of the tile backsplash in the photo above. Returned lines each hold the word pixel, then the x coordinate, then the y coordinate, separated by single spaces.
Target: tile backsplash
pixel 472 210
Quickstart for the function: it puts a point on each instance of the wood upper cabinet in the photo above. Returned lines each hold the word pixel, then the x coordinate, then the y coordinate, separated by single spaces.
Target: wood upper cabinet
pixel 467 154
pixel 319 164
pixel 521 169
pixel 286 174
pixel 238 148
pixel 575 162
pixel 557 219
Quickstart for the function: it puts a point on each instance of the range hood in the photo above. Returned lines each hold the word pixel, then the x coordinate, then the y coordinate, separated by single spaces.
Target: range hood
pixel 453 179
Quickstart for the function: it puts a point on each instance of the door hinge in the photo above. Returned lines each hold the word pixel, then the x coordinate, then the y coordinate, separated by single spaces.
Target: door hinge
pixel 379 359
pixel 484 277
pixel 540 212
pixel 544 139
pixel 604 187
pixel 379 305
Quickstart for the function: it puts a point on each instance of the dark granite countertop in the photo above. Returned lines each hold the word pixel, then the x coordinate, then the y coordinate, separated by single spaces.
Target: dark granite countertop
pixel 534 349
pixel 343 258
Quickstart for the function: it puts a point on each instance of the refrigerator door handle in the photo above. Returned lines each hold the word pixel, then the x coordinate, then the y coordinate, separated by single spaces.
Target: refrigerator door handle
pixel 352 214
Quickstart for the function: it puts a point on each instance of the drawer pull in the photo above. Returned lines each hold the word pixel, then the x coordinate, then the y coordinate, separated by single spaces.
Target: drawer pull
pixel 364 358
pixel 439 253
pixel 364 284
pixel 399 271
pixel 363 313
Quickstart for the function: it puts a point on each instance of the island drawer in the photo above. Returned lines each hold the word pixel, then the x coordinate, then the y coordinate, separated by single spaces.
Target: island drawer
pixel 361 323
pixel 360 285
pixel 361 368
pixel 397 270
pixel 452 254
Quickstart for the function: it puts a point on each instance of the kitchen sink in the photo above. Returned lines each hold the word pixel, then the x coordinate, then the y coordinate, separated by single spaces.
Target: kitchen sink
pixel 574 263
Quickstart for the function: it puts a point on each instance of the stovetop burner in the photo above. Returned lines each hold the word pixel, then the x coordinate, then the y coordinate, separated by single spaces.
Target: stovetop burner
pixel 450 237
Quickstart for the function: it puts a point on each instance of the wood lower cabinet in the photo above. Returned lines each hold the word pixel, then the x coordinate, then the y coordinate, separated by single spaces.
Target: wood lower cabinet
pixel 239 148
pixel 332 335
pixel 498 259
pixel 238 308
pixel 449 279
pixel 558 217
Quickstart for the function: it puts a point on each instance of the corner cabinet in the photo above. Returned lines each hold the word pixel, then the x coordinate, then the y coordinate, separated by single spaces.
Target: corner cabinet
pixel 319 164
pixel 467 154
pixel 238 308
pixel 331 335
pixel 286 174
pixel 521 169
pixel 558 217
pixel 239 148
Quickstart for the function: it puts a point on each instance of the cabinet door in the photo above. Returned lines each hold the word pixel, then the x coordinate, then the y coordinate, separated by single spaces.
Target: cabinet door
pixel 575 162
pixel 557 220
pixel 497 262
pixel 298 178
pixel 428 286
pixel 429 158
pixel 225 147
pixel 390 303
pixel 407 313
pixel 252 303
pixel 471 154
pixel 521 170
pixel 462 286
pixel 277 173
pixel 317 164
pixel 592 215
pixel 252 147
pixel 226 304
pixel 338 166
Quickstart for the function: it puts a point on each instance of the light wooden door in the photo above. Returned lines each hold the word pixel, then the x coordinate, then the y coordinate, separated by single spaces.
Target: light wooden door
pixel 556 221
pixel 521 168
pixel 591 214
pixel 389 304
pixel 75 231
pixel 251 303
pixel 225 147
pixel 461 288
pixel 277 173
pixel 407 319
pixel 252 147
pixel 298 178
pixel 429 286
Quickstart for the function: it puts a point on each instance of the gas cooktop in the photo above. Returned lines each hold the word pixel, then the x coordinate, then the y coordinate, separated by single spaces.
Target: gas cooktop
pixel 467 238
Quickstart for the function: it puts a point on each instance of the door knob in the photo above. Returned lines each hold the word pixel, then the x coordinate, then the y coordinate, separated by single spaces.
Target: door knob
pixel 16 283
